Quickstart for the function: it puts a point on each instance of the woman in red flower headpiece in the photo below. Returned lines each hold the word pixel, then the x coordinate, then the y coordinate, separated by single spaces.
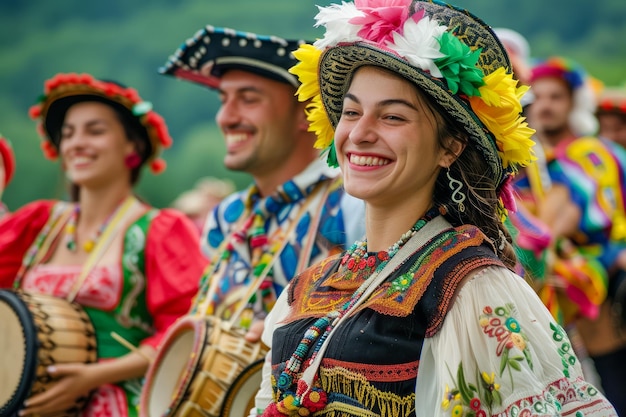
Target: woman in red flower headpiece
pixel 133 268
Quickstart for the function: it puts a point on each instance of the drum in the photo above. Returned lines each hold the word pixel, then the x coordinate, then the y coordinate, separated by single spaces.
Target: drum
pixel 38 331
pixel 203 369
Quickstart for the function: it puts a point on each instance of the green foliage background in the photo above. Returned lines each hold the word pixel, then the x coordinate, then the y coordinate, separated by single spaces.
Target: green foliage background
pixel 128 41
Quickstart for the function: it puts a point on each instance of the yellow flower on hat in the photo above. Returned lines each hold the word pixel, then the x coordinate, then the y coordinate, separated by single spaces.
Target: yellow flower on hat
pixel 499 108
pixel 306 71
pixel 320 123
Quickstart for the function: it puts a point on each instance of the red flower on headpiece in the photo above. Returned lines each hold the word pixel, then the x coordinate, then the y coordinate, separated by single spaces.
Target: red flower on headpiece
pixel 132 95
pixel 110 89
pixel 48 149
pixel 158 165
pixel 35 111
pixel 51 84
pixel 84 79
pixel 381 20
pixel 164 135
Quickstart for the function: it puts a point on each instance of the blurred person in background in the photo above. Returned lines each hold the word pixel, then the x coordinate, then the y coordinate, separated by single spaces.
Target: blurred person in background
pixel 518 49
pixel 611 114
pixel 133 268
pixel 295 212
pixel 593 228
pixel 198 202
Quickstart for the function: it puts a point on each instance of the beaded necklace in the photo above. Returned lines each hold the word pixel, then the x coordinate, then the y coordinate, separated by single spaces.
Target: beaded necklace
pixel 294 397
pixel 70 230
pixel 358 264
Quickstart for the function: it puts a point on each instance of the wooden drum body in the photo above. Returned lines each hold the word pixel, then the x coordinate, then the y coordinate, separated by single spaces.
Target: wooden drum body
pixel 203 369
pixel 37 331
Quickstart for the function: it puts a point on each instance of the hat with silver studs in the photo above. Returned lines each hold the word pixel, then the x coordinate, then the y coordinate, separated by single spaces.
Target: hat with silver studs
pixel 212 51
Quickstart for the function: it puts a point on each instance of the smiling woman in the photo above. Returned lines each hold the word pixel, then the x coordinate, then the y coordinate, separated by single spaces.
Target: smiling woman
pixel 377 161
pixel 416 103
pixel 105 254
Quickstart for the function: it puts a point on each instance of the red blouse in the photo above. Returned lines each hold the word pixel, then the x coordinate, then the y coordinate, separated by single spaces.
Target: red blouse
pixel 173 260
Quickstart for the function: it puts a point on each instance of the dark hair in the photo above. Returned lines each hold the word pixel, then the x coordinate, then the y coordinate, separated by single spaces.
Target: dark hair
pixel 135 133
pixel 479 187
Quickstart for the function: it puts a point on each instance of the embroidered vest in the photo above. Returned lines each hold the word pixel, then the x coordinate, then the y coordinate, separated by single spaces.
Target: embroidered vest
pixel 372 362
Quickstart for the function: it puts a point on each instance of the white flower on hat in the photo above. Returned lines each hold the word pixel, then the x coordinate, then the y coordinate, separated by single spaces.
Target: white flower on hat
pixel 336 20
pixel 419 43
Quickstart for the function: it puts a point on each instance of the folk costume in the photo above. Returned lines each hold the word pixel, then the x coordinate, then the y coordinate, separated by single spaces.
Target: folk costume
pixel 139 298
pixel 401 353
pixel 313 201
pixel 160 261
pixel 435 325
pixel 578 279
pixel 594 170
pixel 249 237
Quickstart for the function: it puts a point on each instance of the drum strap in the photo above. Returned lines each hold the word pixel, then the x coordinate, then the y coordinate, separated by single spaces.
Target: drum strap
pixel 103 243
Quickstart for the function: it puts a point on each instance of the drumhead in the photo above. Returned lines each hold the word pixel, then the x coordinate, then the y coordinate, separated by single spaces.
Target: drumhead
pixel 18 352
pixel 239 399
pixel 174 368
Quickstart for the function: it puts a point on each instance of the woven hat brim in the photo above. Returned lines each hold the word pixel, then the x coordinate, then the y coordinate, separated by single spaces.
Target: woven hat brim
pixel 337 67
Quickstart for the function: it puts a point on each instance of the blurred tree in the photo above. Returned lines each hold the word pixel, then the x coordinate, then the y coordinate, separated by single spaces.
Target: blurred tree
pixel 129 40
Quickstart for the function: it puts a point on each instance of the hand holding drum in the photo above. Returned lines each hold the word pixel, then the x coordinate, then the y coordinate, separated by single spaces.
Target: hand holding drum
pixel 39 331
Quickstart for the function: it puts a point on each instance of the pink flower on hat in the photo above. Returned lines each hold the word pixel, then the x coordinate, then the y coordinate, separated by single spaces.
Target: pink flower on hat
pixel 381 19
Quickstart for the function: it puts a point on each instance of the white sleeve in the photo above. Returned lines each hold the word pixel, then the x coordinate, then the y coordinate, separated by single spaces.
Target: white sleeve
pixel 500 353
pixel 279 312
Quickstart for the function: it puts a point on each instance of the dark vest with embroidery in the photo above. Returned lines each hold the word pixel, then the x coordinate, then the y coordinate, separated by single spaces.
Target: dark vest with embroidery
pixel 371 364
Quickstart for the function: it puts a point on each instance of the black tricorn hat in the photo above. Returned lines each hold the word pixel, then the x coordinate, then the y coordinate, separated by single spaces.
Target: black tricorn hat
pixel 205 57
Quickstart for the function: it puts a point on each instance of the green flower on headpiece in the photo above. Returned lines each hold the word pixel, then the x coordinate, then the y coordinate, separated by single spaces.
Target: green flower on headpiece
pixel 141 108
pixel 458 66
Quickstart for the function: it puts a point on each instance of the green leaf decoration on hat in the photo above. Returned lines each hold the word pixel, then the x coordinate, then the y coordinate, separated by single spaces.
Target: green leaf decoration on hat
pixel 458 66
pixel 332 156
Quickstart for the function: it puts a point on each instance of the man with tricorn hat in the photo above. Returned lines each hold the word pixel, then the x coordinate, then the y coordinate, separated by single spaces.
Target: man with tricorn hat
pixel 296 211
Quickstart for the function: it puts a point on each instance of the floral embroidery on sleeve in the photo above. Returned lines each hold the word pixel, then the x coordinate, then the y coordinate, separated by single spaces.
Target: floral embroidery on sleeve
pixel 501 324
pixel 469 399
pixel 565 348
pixel 478 396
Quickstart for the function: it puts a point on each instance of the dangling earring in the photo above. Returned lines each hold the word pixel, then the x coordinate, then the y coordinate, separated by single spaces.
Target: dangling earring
pixel 457 195
pixel 132 160
pixel 502 240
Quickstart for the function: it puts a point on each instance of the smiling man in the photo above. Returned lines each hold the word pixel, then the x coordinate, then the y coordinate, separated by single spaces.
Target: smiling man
pixel 295 212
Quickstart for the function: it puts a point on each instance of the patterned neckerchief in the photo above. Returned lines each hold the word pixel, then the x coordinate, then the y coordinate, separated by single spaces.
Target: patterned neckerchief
pixel 256 230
